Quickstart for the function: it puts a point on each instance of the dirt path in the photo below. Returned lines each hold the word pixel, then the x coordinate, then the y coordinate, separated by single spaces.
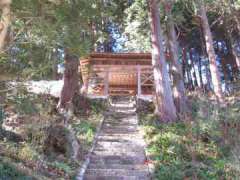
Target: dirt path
pixel 119 152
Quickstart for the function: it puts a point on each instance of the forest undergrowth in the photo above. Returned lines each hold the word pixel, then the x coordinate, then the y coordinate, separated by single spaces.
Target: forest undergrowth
pixel 203 145
pixel 25 120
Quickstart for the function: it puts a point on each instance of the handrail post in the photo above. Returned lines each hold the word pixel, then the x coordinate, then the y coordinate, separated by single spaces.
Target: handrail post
pixel 106 82
pixel 139 85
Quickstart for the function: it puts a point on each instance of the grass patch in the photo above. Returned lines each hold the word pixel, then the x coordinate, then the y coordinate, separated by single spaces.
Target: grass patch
pixel 205 147
pixel 31 115
pixel 8 172
pixel 85 130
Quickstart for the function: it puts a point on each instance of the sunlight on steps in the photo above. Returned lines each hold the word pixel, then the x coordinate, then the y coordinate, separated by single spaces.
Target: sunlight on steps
pixel 119 153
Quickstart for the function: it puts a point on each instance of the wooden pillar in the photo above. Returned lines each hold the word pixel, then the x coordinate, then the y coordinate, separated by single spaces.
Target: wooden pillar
pixel 85 71
pixel 139 85
pixel 106 82
pixel 85 88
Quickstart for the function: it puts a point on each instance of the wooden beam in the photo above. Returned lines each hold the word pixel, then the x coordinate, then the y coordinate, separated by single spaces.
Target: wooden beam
pixel 139 92
pixel 106 83
pixel 123 60
pixel 148 78
pixel 120 68
pixel 121 55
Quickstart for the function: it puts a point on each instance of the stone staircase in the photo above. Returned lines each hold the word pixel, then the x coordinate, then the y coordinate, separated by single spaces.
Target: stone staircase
pixel 119 153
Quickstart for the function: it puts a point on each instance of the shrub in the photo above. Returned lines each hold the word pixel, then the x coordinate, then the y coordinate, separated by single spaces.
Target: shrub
pixel 7 172
pixel 27 153
pixel 200 147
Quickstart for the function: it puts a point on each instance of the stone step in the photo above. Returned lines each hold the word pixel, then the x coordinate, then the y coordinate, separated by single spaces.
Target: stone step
pixel 120 123
pixel 104 139
pixel 120 127
pixel 122 107
pixel 125 112
pixel 118 153
pixel 118 116
pixel 117 147
pixel 117 172
pixel 116 159
pixel 139 167
pixel 117 140
pixel 123 119
pixel 93 177
pixel 118 135
pixel 119 144
pixel 106 130
pixel 107 142
pixel 130 149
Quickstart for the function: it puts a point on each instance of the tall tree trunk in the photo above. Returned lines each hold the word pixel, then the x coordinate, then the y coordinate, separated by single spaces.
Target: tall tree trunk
pixel 5 21
pixel 164 100
pixel 216 81
pixel 234 51
pixel 206 87
pixel 235 15
pixel 70 81
pixel 237 60
pixel 176 68
pixel 232 54
pixel 231 5
pixel 233 57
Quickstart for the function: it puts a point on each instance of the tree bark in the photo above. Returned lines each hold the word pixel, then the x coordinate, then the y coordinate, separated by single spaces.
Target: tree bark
pixel 70 81
pixel 164 100
pixel 176 68
pixel 234 52
pixel 234 13
pixel 216 81
pixel 5 22
pixel 233 10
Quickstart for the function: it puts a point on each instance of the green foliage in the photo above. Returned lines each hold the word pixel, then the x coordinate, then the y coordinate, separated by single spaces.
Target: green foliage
pixel 36 134
pixel 2 115
pixel 85 130
pixel 23 102
pixel 137 28
pixel 24 105
pixel 37 113
pixel 27 153
pixel 20 152
pixel 195 147
pixel 98 106
pixel 41 27
pixel 7 172
pixel 62 166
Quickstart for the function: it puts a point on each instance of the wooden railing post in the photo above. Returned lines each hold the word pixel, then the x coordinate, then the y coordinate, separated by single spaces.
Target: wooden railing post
pixel 106 82
pixel 139 85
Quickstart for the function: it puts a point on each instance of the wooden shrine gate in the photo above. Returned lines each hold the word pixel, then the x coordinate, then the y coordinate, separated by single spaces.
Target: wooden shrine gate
pixel 107 74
